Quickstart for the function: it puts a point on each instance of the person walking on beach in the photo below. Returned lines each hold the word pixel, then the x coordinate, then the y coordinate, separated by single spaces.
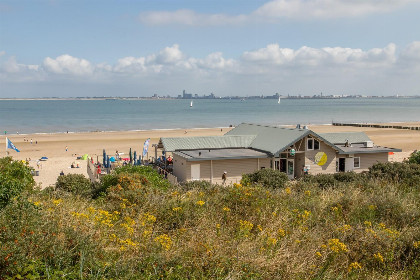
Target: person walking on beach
pixel 67 148
pixel 31 141
pixel 224 178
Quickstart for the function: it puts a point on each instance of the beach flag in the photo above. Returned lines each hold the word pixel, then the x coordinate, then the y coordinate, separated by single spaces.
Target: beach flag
pixel 146 147
pixel 9 145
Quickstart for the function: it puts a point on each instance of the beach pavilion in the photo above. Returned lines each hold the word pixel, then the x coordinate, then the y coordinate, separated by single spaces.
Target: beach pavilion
pixel 250 147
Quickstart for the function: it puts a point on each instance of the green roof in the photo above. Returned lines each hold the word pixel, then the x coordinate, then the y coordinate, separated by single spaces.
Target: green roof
pixel 270 138
pixel 172 144
pixel 341 137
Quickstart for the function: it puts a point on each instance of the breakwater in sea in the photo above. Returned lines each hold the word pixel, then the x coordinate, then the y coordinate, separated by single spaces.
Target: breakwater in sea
pixel 375 125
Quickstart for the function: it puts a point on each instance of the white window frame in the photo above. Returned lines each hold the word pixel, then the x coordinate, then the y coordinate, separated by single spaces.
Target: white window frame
pixel 354 163
pixel 313 144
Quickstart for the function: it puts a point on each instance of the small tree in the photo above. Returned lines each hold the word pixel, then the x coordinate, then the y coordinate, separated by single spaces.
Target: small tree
pixel 15 177
pixel 414 157
pixel 266 177
pixel 74 183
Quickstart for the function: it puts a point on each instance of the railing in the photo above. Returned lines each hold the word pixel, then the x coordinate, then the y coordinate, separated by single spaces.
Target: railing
pixel 167 175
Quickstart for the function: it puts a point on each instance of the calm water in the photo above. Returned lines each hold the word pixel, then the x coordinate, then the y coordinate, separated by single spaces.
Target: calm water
pixel 46 116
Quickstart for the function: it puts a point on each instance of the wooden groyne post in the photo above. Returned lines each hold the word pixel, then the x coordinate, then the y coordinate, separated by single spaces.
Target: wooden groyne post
pixel 377 125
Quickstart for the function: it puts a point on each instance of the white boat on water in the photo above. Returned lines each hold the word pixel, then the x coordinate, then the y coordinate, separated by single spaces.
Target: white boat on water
pixel 279 100
pixel 191 104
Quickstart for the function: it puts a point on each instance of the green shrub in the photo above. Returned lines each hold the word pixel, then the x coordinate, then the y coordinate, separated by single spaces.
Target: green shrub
pixel 74 183
pixel 322 180
pixel 205 185
pixel 407 173
pixel 266 177
pixel 149 173
pixel 15 177
pixel 414 157
pixel 348 176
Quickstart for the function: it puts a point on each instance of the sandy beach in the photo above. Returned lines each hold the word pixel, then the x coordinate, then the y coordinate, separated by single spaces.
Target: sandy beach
pixel 54 146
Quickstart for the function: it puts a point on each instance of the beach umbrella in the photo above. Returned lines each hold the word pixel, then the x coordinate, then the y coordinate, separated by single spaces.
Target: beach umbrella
pixel 44 158
pixel 112 159
pixel 131 157
pixel 135 158
pixel 85 157
pixel 104 157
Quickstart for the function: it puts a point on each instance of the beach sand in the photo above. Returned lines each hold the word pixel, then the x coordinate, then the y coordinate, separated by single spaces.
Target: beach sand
pixel 54 146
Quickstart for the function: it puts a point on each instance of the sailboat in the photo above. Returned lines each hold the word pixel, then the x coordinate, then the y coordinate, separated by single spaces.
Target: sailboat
pixel 279 100
pixel 191 103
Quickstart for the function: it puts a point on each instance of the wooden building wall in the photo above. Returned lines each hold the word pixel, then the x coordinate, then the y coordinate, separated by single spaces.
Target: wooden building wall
pixel 328 167
pixel 367 160
pixel 235 168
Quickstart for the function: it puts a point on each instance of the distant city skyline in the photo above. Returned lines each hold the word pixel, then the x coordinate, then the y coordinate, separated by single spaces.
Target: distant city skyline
pixel 229 48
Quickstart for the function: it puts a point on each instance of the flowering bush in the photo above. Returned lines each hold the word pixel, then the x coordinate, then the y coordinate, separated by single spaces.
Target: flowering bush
pixel 15 177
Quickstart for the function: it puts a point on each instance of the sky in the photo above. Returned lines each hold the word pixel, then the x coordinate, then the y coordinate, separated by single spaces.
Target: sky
pixel 78 48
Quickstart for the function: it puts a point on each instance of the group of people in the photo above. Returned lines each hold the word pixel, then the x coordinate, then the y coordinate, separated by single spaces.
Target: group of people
pixel 27 140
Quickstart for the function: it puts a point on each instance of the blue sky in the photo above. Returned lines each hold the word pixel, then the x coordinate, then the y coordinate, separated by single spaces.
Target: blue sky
pixel 138 48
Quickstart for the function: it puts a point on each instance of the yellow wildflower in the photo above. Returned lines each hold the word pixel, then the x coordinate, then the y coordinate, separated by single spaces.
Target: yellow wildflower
pixel 372 207
pixel 344 228
pixel 259 227
pixel 318 254
pixel 271 241
pixel 336 246
pixel 227 209
pixel 354 266
pixel 36 203
pixel 245 225
pixel 416 244
pixel 281 232
pixel 165 241
pixel 378 257
pixel 57 201
pixel 176 209
pixel 368 224
pixel 147 233
pixel 288 190
pixel 147 218
pixel 200 203
pixel 308 193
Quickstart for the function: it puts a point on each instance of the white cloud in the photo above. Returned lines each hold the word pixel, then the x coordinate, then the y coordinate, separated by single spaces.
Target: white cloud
pixel 272 66
pixel 275 10
pixel 11 66
pixel 169 55
pixel 412 52
pixel 304 9
pixel 306 56
pixel 2 53
pixel 188 17
pixel 66 64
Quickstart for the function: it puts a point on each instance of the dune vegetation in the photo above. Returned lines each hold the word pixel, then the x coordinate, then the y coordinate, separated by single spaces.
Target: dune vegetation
pixel 135 225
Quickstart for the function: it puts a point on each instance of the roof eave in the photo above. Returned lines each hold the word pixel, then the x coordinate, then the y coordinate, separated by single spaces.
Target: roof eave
pixel 370 152
pixel 226 158
pixel 276 154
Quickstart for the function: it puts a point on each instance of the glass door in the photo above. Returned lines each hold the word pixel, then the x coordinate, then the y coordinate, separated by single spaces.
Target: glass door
pixel 291 168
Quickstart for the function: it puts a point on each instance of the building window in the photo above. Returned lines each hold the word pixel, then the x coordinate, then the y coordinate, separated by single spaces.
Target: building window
pixel 356 162
pixel 312 144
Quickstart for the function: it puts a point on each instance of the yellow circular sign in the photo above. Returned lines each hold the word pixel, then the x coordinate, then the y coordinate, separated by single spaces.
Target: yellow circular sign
pixel 321 158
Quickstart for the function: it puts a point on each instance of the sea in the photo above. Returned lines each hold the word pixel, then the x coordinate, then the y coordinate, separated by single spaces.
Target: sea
pixel 61 116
